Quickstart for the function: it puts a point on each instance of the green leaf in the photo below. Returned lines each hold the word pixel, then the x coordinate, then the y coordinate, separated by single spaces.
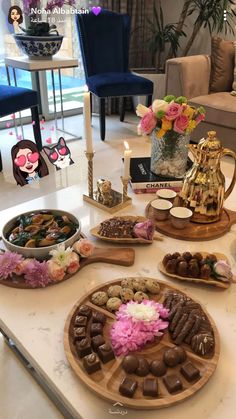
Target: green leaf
pixel 169 98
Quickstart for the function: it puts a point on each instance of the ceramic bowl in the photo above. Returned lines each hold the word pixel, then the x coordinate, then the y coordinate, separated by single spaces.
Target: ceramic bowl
pixel 168 194
pixel 39 47
pixel 180 217
pixel 161 209
pixel 38 252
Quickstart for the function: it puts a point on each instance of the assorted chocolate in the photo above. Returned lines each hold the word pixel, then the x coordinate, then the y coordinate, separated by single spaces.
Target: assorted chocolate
pixel 117 228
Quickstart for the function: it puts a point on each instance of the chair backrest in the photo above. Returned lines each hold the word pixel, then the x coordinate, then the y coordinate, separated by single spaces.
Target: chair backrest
pixel 104 42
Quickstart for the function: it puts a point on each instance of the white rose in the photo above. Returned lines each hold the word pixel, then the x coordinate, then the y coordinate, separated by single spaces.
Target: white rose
pixel 141 110
pixel 159 105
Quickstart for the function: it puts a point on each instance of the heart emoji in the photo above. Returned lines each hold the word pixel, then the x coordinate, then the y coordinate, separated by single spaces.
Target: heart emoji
pixel 8 124
pixel 49 140
pixel 42 128
pixel 19 137
pixel 52 129
pixel 33 122
pixel 13 116
pixel 96 10
pixel 33 157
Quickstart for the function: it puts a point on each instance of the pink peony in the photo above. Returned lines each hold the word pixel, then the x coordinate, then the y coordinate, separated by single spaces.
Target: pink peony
pixel 181 123
pixel 84 247
pixel 36 274
pixel 56 272
pixel 144 230
pixel 73 263
pixel 22 266
pixel 148 123
pixel 200 118
pixel 173 111
pixel 8 263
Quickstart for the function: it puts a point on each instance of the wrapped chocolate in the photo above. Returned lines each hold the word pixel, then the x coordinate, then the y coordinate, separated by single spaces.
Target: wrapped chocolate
pixel 144 230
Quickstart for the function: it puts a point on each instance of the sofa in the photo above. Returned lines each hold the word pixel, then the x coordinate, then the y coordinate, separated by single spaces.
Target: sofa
pixel 190 77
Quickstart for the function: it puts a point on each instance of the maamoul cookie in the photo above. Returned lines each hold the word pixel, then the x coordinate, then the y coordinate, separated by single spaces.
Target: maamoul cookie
pixel 152 286
pixel 114 291
pixel 99 298
pixel 139 296
pixel 126 295
pixel 113 304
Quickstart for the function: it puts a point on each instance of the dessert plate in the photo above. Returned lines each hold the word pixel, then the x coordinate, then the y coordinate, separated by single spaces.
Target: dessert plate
pixel 139 219
pixel 211 281
pixel 106 381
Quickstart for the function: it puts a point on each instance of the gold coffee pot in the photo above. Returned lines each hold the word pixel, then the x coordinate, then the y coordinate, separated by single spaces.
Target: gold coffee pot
pixel 203 188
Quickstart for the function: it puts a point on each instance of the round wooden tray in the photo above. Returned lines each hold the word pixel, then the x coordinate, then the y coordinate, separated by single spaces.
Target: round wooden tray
pixel 94 231
pixel 105 383
pixel 195 231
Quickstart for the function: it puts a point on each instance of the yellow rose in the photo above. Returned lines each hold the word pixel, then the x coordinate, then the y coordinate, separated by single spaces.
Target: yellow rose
pixel 166 125
pixel 189 112
pixel 191 126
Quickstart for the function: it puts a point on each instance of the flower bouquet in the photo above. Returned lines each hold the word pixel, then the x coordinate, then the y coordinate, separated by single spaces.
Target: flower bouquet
pixel 169 122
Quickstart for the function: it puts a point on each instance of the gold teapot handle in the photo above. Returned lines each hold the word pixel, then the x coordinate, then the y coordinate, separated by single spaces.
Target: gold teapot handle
pixel 228 152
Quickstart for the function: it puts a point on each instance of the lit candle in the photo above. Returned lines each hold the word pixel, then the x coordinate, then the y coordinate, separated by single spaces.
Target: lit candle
pixel 127 155
pixel 87 121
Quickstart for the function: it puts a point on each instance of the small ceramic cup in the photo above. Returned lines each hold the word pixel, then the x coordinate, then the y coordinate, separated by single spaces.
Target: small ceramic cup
pixel 180 217
pixel 161 209
pixel 168 194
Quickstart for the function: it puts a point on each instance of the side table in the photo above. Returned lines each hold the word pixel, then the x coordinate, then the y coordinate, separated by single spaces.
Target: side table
pixel 56 63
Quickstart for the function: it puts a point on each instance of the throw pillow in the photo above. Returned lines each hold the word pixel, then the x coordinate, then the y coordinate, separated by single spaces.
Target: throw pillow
pixel 222 65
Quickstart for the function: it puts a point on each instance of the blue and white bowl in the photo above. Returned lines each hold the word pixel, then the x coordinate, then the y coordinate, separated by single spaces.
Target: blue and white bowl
pixel 39 47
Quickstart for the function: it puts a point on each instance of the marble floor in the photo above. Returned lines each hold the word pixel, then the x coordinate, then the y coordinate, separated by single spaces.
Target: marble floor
pixel 20 396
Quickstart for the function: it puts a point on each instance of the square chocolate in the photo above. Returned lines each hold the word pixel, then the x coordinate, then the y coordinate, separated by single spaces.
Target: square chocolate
pixel 79 333
pixel 91 363
pixel 172 383
pixel 150 387
pixel 83 347
pixel 105 353
pixel 190 372
pixel 98 317
pixel 127 387
pixel 80 321
pixel 96 329
pixel 84 311
pixel 97 341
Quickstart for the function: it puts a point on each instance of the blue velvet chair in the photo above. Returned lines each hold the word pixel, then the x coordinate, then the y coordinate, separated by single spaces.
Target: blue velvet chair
pixel 104 42
pixel 15 99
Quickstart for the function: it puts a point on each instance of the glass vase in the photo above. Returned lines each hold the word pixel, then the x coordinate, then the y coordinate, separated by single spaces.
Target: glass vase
pixel 169 154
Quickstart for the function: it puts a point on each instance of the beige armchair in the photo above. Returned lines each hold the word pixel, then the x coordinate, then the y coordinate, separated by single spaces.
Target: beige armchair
pixel 190 77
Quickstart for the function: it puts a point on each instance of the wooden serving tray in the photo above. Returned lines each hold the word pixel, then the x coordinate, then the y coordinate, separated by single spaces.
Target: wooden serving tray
pixel 219 284
pixel 105 383
pixel 94 231
pixel 122 256
pixel 195 231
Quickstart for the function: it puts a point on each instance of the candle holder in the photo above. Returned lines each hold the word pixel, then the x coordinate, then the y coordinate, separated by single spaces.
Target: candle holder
pixel 105 197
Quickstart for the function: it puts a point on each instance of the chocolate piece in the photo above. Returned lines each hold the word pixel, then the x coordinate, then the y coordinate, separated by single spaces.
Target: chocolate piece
pixel 167 302
pixel 197 256
pixel 166 258
pixel 187 256
pixel 171 357
pixel 158 368
pixel 127 387
pixel 174 309
pixel 172 383
pixel 176 319
pixel 97 341
pixel 130 364
pixel 205 272
pixel 181 352
pixel 105 353
pixel 96 329
pixel 150 387
pixel 117 227
pixel 79 333
pixel 185 330
pixel 98 317
pixel 180 326
pixel 80 321
pixel 83 347
pixel 91 363
pixel 194 330
pixel 203 343
pixel 84 311
pixel 193 270
pixel 143 367
pixel 190 372
pixel 171 266
pixel 175 255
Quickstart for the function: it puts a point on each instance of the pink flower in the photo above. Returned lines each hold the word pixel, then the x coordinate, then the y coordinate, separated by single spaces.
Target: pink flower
pixel 200 118
pixel 73 263
pixel 148 123
pixel 222 271
pixel 144 230
pixel 84 247
pixel 8 263
pixel 21 268
pixel 36 274
pixel 181 123
pixel 56 272
pixel 173 111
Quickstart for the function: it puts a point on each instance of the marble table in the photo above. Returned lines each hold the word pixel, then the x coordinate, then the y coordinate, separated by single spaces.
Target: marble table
pixel 34 319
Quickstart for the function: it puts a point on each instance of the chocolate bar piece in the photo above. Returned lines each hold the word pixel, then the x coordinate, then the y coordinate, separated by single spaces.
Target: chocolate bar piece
pixel 83 347
pixel 91 363
pixel 180 325
pixel 172 383
pixel 127 387
pixel 150 387
pixel 79 333
pixel 96 329
pixel 97 341
pixel 80 321
pixel 105 353
pixel 98 317
pixel 190 372
pixel 84 311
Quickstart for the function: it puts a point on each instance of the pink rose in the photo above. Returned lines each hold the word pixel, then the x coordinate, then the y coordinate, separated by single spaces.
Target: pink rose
pixel 56 272
pixel 173 111
pixel 148 123
pixel 200 118
pixel 21 268
pixel 73 265
pixel 84 247
pixel 180 124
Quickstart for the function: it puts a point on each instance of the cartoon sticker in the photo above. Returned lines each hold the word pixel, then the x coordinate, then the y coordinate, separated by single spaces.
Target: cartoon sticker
pixel 59 155
pixel 15 17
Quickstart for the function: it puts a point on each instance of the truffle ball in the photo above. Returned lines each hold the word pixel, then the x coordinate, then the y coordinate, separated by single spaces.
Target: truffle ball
pixel 181 353
pixel 130 364
pixel 158 368
pixel 171 357
pixel 143 367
